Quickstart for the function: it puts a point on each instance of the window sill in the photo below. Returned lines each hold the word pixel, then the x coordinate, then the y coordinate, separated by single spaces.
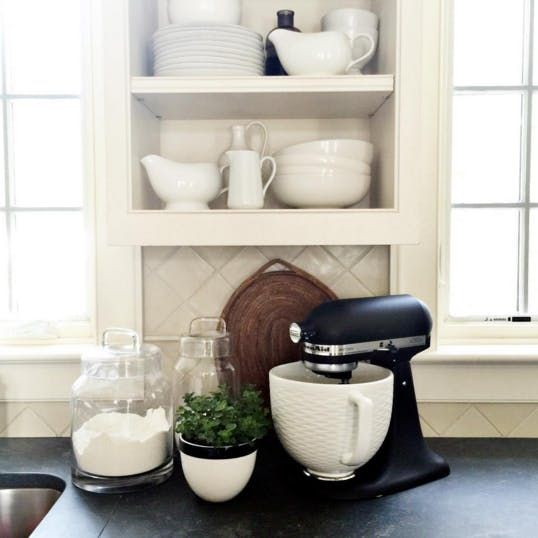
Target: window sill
pixel 481 354
pixel 43 353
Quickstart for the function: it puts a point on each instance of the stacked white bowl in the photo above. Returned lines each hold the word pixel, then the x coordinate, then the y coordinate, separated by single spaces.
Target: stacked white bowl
pixel 208 50
pixel 324 173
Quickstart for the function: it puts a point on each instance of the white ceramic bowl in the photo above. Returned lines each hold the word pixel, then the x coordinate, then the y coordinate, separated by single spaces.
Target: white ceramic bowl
pixel 348 148
pixel 204 11
pixel 324 171
pixel 351 19
pixel 183 186
pixel 329 428
pixel 316 191
pixel 328 161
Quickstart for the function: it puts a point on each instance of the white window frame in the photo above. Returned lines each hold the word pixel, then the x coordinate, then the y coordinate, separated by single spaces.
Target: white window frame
pixel 116 272
pixel 467 361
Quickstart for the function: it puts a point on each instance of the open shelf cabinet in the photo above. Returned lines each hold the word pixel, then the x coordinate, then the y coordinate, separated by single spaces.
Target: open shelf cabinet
pixel 188 119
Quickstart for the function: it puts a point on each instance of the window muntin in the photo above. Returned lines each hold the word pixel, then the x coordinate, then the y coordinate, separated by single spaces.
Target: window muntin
pixel 492 199
pixel 44 265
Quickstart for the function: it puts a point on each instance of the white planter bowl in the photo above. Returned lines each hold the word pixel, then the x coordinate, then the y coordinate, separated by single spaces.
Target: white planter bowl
pixel 329 190
pixel 217 475
pixel 204 11
pixel 347 148
pixel 329 428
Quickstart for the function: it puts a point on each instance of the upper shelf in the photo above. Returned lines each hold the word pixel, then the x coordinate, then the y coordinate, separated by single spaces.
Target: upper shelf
pixel 182 98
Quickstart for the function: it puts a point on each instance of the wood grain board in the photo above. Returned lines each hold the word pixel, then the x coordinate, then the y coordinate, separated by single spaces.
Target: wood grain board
pixel 258 316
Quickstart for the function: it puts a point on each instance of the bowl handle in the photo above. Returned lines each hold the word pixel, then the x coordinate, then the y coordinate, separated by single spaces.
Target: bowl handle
pixel 365 423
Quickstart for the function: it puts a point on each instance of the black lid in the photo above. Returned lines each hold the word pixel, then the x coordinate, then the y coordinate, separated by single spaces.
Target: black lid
pixel 285 18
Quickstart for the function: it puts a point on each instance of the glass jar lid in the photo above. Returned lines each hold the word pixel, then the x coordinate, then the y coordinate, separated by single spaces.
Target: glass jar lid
pixel 111 349
pixel 208 338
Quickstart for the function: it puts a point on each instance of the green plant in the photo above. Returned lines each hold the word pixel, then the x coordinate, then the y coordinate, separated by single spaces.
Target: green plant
pixel 220 420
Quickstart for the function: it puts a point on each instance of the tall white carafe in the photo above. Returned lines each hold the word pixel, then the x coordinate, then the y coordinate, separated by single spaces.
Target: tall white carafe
pixel 246 189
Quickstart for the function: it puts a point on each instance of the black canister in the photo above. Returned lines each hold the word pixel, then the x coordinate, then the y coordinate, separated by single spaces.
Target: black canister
pixel 273 67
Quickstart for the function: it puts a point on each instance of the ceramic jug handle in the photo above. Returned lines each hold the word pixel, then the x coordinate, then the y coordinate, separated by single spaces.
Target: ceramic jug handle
pixel 273 174
pixel 265 133
pixel 364 56
pixel 364 430
pixel 221 171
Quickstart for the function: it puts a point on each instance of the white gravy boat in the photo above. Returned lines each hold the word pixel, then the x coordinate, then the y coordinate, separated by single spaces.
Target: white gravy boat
pixel 183 186
pixel 318 54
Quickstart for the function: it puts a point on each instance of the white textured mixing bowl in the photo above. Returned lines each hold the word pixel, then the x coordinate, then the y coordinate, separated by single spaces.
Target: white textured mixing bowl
pixel 329 428
pixel 329 190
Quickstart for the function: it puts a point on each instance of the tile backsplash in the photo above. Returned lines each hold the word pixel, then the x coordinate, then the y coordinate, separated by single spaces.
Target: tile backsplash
pixel 49 419
pixel 183 283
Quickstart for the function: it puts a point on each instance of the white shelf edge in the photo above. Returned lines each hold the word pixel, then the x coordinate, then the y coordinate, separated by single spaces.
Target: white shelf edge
pixel 180 85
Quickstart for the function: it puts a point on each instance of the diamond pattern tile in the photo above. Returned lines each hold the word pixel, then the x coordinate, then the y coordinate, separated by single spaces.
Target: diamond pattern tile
pixel 319 262
pixel 182 283
pixel 185 271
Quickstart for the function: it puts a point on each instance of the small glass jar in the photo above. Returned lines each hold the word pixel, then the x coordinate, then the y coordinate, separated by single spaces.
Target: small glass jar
pixel 122 416
pixel 204 360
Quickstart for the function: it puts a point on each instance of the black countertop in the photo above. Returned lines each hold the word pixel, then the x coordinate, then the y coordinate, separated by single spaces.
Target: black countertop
pixel 492 492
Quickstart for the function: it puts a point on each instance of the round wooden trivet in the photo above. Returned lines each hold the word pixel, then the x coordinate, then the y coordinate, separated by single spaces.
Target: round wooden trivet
pixel 259 314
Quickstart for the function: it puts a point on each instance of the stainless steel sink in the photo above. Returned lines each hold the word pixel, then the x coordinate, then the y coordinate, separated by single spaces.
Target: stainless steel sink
pixel 25 499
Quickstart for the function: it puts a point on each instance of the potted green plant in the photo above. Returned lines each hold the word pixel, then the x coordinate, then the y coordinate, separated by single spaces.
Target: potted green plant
pixel 218 436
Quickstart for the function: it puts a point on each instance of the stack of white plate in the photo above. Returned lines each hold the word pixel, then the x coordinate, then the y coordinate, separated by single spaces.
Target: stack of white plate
pixel 324 173
pixel 225 50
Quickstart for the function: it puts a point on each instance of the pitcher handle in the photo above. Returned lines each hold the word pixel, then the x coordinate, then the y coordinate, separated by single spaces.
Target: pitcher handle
pixel 273 174
pixel 221 171
pixel 365 422
pixel 265 133
pixel 364 56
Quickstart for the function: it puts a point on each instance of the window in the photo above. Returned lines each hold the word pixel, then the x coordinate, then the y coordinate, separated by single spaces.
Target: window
pixel 44 239
pixel 493 260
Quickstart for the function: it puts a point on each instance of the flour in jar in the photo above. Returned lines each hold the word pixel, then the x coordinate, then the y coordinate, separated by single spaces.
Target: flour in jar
pixel 123 444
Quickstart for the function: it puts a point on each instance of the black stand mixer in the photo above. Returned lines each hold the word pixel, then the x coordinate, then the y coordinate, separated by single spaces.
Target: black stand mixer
pixel 387 332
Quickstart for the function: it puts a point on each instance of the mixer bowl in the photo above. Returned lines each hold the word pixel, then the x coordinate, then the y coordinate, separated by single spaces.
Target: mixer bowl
pixel 329 428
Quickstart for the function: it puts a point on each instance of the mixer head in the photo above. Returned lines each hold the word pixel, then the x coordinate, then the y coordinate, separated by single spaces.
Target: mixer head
pixel 337 335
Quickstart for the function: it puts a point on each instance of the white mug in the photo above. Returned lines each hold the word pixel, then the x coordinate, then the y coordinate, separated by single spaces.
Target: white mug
pixel 246 189
pixel 360 26
pixel 329 428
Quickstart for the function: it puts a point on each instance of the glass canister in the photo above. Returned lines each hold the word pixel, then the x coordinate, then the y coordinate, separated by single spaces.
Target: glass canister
pixel 204 360
pixel 122 416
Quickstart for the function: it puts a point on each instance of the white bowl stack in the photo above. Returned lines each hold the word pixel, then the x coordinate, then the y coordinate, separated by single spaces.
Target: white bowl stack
pixel 324 173
pixel 208 50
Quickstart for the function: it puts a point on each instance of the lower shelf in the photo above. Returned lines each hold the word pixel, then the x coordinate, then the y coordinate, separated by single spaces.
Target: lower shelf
pixel 264 227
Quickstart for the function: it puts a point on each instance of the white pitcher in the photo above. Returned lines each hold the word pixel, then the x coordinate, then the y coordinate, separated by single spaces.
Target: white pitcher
pixel 239 136
pixel 246 189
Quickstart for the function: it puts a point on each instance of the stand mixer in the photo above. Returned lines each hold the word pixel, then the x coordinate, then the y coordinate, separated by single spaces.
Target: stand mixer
pixel 388 332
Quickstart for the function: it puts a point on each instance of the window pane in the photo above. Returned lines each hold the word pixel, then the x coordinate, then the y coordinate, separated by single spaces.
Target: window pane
pixel 533 274
pixel 43 46
pixel 4 305
pixel 486 160
pixel 2 162
pixel 484 262
pixel 534 164
pixel 488 42
pixel 46 153
pixel 49 266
